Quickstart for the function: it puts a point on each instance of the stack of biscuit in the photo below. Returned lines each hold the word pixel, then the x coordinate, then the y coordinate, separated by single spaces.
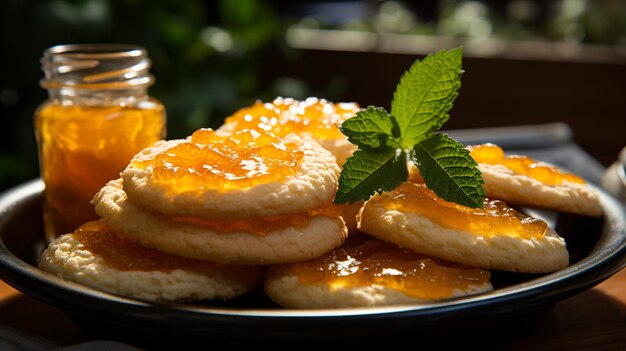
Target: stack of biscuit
pixel 315 118
pixel 216 214
pixel 225 205
pixel 437 248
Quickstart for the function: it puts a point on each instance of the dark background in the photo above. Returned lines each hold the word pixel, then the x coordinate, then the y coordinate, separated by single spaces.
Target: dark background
pixel 525 61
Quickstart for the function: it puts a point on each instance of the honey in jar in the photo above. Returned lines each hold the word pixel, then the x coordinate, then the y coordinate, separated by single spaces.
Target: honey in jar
pixel 97 117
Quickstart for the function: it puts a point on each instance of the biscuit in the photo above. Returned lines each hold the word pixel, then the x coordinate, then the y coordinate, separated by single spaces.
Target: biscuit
pixel 315 118
pixel 69 259
pixel 521 180
pixel 378 285
pixel 497 251
pixel 503 183
pixel 314 183
pixel 317 236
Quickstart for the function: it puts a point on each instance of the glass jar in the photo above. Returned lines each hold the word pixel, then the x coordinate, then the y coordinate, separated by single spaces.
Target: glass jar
pixel 97 117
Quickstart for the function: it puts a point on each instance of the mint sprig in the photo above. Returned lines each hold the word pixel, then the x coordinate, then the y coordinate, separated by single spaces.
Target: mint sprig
pixel 420 106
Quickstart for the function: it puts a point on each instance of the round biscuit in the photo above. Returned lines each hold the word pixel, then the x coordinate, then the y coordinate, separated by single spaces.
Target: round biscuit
pixel 503 183
pixel 314 184
pixel 283 286
pixel 320 235
pixel 67 258
pixel 498 251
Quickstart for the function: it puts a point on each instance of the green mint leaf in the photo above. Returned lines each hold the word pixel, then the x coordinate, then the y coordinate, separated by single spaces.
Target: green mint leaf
pixel 449 170
pixel 425 94
pixel 368 172
pixel 420 106
pixel 371 128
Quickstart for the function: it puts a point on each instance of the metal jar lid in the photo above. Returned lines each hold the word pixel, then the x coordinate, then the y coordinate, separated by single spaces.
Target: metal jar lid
pixel 96 66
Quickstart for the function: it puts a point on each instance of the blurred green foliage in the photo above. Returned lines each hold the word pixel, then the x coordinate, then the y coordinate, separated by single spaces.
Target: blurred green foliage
pixel 583 21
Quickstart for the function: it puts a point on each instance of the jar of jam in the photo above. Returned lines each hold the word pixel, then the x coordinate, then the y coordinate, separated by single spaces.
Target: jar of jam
pixel 97 117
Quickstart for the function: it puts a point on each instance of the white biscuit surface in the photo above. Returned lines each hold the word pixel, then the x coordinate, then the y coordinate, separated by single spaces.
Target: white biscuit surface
pixel 314 183
pixel 68 258
pixel 314 238
pixel 497 251
pixel 503 183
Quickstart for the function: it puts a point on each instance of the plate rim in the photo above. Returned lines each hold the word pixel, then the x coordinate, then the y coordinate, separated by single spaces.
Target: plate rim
pixel 579 276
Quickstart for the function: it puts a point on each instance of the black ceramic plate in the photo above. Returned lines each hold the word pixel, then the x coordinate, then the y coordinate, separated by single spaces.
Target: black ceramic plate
pixel 597 248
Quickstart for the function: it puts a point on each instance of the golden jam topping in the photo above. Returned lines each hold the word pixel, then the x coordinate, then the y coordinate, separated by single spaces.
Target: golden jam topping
pixel 495 218
pixel 212 162
pixel 264 225
pixel 545 173
pixel 125 255
pixel 363 262
pixel 317 117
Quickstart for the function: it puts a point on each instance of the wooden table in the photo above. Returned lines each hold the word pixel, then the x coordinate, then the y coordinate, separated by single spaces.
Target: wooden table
pixel 592 320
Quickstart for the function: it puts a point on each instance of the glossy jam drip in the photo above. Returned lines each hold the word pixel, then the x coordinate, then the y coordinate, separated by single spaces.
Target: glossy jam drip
pixel 210 161
pixel 264 225
pixel 364 261
pixel 496 218
pixel 81 148
pixel 125 255
pixel 317 117
pixel 543 172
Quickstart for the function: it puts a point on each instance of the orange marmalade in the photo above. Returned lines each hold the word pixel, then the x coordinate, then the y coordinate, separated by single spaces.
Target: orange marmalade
pixel 263 225
pixel 81 148
pixel 495 217
pixel 363 262
pixel 125 255
pixel 209 161
pixel 97 117
pixel 543 172
pixel 317 117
